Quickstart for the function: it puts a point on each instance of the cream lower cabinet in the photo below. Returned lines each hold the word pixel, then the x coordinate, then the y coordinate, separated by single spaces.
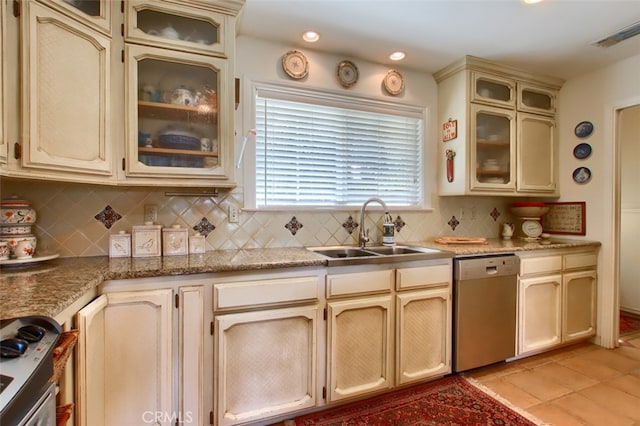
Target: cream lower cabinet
pixel 141 357
pixel 557 300
pixel 387 327
pixel 266 344
pixel 540 313
pixel 360 338
pixel 423 323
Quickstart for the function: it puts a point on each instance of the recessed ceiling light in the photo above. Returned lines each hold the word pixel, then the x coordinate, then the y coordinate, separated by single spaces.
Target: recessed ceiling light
pixel 310 36
pixel 531 1
pixel 397 56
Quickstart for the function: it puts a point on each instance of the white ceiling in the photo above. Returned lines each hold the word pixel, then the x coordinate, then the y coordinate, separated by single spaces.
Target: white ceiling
pixel 553 37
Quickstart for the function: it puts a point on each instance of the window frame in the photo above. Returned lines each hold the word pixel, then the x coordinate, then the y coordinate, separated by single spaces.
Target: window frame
pixel 246 150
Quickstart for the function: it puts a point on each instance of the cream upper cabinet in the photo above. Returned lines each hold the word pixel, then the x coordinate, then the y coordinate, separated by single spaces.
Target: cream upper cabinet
pixel 179 94
pixel 66 94
pixel 122 93
pixel 505 141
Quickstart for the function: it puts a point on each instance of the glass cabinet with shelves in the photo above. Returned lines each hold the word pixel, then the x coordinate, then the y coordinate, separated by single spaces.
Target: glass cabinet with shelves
pixel 493 151
pixel 505 143
pixel 173 126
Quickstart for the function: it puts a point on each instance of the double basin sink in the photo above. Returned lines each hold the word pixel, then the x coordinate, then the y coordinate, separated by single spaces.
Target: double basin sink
pixel 349 255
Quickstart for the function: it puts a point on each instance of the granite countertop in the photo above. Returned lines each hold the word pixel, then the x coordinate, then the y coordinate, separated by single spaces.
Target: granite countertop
pixel 497 245
pixel 49 287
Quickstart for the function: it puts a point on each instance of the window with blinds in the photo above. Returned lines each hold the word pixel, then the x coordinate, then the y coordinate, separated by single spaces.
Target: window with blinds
pixel 324 150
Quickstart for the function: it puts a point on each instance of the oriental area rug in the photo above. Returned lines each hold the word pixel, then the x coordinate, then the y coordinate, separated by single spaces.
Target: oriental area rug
pixel 453 400
pixel 629 323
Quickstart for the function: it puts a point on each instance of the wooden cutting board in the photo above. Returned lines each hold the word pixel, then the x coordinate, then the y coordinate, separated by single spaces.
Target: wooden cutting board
pixel 461 240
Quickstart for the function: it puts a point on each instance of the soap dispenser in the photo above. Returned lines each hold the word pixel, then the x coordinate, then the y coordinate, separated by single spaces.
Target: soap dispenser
pixel 388 230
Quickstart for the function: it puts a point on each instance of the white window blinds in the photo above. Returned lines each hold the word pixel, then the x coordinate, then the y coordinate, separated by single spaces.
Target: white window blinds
pixel 320 150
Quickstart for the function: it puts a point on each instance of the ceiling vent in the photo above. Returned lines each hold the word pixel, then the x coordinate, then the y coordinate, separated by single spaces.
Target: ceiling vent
pixel 623 34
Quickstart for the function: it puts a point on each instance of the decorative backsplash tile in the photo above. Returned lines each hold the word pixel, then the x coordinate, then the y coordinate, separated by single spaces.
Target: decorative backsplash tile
pixel 108 217
pixel 293 225
pixel 350 225
pixel 204 227
pixel 68 224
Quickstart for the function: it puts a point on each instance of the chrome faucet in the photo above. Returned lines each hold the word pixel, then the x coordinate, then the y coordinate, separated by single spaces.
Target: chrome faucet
pixel 363 238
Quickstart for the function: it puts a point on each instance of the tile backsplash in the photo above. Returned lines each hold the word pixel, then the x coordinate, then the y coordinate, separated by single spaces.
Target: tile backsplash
pixel 71 218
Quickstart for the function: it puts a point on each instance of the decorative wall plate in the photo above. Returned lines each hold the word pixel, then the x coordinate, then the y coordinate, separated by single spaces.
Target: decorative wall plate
pixel 582 151
pixel 582 175
pixel 393 82
pixel 295 64
pixel 347 73
pixel 583 129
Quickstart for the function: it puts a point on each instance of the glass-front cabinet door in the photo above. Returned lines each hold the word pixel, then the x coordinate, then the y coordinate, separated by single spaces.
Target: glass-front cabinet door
pixel 176 27
pixel 536 99
pixel 493 90
pixel 97 14
pixel 174 123
pixel 492 148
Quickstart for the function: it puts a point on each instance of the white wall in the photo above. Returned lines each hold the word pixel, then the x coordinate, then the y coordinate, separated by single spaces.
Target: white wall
pixel 595 97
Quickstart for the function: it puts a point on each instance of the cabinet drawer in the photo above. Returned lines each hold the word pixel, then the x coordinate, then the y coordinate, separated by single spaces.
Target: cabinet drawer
pixel 265 292
pixel 581 260
pixel 540 264
pixel 359 282
pixel 425 276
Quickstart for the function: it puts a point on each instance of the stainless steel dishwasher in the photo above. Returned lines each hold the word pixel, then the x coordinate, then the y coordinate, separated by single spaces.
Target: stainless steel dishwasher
pixel 484 322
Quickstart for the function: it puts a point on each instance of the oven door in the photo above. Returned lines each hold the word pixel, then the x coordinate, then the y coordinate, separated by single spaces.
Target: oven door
pixel 43 412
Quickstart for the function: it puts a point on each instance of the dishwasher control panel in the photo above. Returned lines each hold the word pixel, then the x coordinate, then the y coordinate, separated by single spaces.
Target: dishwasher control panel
pixel 469 268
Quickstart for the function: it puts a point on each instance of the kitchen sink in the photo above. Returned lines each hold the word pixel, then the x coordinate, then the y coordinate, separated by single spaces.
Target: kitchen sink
pixel 350 255
pixel 387 250
pixel 343 252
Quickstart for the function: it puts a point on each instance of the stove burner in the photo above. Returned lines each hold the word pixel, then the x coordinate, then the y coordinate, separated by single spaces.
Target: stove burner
pixel 13 347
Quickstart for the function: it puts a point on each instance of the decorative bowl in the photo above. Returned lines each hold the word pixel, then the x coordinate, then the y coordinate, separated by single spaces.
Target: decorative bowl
pixel 529 209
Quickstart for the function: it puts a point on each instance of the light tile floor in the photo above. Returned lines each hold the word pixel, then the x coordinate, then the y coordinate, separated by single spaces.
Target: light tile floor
pixel 583 384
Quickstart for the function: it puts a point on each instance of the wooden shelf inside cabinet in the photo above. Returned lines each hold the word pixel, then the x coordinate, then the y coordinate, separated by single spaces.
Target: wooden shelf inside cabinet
pixel 169 151
pixel 485 172
pixel 193 114
pixel 483 143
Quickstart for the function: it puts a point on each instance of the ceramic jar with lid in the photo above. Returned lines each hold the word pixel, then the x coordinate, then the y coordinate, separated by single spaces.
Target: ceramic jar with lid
pixel 16 220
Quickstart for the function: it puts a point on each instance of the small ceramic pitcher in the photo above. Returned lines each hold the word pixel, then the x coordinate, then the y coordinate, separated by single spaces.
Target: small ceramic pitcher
pixel 507 230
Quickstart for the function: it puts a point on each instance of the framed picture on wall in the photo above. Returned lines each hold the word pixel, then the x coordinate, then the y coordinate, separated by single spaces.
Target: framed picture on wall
pixel 568 218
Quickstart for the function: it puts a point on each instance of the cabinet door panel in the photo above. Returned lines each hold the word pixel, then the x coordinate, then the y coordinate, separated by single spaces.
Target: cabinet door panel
pixel 536 166
pixel 90 398
pixel 66 92
pixel 191 377
pixel 540 313
pixel 579 305
pixel 493 154
pixel 132 331
pixel 423 344
pixel 266 363
pixel 359 346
